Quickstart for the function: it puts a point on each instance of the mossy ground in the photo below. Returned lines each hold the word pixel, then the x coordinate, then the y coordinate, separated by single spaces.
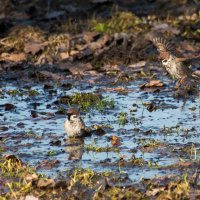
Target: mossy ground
pixel 19 180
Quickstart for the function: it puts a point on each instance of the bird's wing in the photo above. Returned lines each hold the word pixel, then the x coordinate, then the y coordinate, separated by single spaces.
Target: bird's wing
pixel 189 61
pixel 164 47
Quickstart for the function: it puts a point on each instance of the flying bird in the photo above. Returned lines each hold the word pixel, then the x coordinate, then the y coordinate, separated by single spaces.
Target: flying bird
pixel 176 65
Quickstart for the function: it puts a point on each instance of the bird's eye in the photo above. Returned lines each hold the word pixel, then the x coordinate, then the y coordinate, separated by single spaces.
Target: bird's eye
pixel 74 116
pixel 164 61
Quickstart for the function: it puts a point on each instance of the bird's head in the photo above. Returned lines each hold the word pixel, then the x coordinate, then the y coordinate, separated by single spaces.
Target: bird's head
pixel 165 62
pixel 73 114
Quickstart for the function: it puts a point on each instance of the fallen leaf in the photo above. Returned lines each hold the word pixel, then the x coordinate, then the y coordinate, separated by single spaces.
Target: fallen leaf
pixel 9 106
pixel 13 57
pixel 183 164
pixel 34 114
pixel 78 68
pixel 152 83
pixel 118 89
pixel 150 106
pixel 31 177
pixel 90 36
pixel 55 142
pixel 154 191
pixel 73 52
pixel 115 140
pixel 3 128
pixel 20 125
pixel 197 72
pixel 33 48
pixel 64 55
pixel 43 59
pixel 42 75
pixel 112 68
pixel 44 183
pixel 30 197
pixel 100 43
pixel 138 64
pixel 93 73
pixel 48 164
pixel 13 160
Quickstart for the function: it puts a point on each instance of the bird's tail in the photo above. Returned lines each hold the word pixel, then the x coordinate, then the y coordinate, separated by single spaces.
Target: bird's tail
pixel 196 77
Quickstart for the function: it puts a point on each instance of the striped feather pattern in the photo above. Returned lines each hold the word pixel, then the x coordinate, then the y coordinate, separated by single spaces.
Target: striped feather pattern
pixel 162 44
pixel 164 47
pixel 177 66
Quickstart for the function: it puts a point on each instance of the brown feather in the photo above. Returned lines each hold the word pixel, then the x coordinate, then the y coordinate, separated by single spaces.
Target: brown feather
pixel 164 47
pixel 162 44
pixel 178 67
pixel 73 111
pixel 189 61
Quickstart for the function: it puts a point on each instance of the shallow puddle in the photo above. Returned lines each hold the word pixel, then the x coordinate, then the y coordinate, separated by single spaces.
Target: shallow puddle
pixel 33 131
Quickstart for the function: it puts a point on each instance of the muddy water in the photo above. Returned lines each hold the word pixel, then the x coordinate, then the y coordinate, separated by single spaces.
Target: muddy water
pixel 175 124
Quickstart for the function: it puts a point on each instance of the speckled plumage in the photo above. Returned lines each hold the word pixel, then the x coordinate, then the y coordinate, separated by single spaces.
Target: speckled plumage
pixel 177 66
pixel 74 125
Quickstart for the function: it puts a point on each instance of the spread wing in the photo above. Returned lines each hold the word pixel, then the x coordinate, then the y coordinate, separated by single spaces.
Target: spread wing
pixel 188 61
pixel 164 47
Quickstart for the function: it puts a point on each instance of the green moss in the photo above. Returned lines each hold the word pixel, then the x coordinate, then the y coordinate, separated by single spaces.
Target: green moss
pixel 149 145
pixel 13 167
pixel 123 118
pixel 88 101
pixel 90 147
pixel 2 149
pixel 15 174
pixel 138 161
pixel 119 22
pixel 33 92
pixel 118 193
pixel 189 26
pixel 87 177
pixel 20 92
pixel 14 93
pixel 31 134
pixel 23 180
pixel 15 43
pixel 54 43
pixel 51 153
pixel 83 176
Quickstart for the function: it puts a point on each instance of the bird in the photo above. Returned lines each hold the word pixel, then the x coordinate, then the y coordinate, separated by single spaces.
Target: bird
pixel 176 65
pixel 74 124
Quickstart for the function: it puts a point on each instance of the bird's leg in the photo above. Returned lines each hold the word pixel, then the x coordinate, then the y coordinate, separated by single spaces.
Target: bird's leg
pixel 181 81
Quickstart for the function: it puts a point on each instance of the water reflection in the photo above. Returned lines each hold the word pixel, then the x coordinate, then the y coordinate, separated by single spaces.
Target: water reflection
pixel 74 147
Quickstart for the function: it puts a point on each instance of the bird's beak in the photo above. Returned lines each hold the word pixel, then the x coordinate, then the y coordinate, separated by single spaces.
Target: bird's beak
pixel 68 116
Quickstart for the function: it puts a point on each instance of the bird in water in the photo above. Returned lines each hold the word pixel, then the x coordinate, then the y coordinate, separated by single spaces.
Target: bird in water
pixel 177 66
pixel 74 124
